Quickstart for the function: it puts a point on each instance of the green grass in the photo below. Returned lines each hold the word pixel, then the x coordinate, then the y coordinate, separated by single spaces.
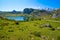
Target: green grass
pixel 9 30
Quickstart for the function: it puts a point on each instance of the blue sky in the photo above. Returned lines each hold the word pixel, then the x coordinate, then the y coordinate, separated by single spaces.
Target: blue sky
pixel 9 5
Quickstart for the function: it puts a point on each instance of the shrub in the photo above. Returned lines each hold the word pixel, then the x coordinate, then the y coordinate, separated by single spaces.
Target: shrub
pixel 10 27
pixel 36 34
pixel 10 30
pixel 4 24
pixel 1 28
pixel 58 38
pixel 52 29
pixel 17 23
pixel 3 36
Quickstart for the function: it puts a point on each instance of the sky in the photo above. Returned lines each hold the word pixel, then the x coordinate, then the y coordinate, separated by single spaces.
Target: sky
pixel 19 5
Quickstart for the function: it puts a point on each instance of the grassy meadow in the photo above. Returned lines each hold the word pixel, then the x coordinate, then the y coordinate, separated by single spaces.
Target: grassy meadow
pixel 29 30
pixel 38 25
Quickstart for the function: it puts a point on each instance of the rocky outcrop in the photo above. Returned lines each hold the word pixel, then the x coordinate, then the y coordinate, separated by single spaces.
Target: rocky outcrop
pixel 14 11
pixel 28 10
pixel 56 15
pixel 46 25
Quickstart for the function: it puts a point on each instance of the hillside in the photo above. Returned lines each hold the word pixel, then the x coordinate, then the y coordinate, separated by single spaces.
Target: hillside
pixel 40 25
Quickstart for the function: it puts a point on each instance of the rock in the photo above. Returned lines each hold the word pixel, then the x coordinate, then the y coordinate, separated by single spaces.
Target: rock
pixel 44 37
pixel 53 39
pixel 46 25
pixel 37 34
pixel 58 28
pixel 28 10
pixel 56 15
pixel 14 11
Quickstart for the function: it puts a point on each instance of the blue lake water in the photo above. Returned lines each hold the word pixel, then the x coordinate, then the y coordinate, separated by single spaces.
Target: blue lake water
pixel 16 18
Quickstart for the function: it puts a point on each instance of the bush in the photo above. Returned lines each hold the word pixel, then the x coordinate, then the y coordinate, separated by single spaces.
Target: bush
pixel 1 28
pixel 4 24
pixel 52 29
pixel 3 36
pixel 36 34
pixel 58 38
pixel 17 23
pixel 11 30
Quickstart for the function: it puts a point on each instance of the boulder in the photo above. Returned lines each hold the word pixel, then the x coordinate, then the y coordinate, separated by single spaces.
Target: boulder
pixel 58 28
pixel 46 25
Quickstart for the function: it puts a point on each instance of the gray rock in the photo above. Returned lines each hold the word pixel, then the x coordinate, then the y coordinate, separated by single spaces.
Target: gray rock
pixel 56 15
pixel 58 28
pixel 46 25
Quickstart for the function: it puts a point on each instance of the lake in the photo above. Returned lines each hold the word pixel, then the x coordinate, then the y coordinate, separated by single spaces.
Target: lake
pixel 16 18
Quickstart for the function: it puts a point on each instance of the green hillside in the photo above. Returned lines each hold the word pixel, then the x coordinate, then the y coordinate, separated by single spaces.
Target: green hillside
pixel 43 27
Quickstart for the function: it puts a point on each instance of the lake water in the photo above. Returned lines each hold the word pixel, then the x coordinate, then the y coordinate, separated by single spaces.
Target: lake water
pixel 16 18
